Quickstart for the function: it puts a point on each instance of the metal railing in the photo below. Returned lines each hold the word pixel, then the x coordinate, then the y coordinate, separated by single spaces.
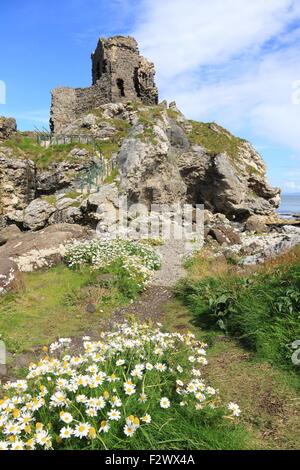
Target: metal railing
pixel 46 139
pixel 93 178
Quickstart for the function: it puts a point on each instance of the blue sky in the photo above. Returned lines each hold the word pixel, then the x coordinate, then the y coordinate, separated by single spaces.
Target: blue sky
pixel 230 61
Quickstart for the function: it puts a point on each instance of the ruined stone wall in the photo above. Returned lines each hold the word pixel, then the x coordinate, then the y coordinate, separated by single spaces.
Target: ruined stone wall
pixel 63 108
pixel 8 127
pixel 119 74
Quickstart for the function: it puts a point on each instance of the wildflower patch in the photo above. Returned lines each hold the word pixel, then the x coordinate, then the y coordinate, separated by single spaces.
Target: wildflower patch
pixel 129 384
pixel 136 259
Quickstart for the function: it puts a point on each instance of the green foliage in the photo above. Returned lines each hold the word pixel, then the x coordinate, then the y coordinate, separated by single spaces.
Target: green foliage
pixel 172 113
pixel 215 141
pixel 152 241
pixel 108 147
pixel 51 199
pixel 112 177
pixel 72 195
pixel 25 147
pixel 261 310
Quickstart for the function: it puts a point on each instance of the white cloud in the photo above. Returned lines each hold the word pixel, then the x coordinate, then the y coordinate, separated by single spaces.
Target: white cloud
pixel 231 61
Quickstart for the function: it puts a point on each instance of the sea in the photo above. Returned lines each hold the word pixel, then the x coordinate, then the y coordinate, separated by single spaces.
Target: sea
pixel 290 206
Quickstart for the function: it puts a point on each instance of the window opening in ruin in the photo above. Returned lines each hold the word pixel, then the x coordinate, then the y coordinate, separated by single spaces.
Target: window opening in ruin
pixel 120 85
pixel 98 71
pixel 136 82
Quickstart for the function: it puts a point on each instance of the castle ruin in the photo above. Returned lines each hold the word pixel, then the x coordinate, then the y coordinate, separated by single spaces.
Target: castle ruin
pixel 120 74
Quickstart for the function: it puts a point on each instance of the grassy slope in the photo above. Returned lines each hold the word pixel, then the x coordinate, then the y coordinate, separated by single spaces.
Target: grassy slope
pixel 28 148
pixel 54 305
pixel 267 396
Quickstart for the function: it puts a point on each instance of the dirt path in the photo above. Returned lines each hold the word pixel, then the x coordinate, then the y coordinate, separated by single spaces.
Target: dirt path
pixel 172 255
pixel 151 304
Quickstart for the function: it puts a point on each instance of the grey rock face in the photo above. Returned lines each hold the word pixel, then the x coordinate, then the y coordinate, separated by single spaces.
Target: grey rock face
pixel 42 249
pixel 269 246
pixel 120 74
pixel 160 164
pixel 160 158
pixel 37 213
pixel 17 184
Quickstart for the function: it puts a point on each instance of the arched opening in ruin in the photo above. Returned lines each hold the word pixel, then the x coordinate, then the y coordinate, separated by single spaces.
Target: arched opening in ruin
pixel 120 85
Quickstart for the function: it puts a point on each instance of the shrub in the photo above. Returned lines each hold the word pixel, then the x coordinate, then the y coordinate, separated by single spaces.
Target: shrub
pixel 122 391
pixel 262 310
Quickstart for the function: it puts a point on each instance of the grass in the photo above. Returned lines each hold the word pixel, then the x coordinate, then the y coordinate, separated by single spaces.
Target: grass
pixel 184 430
pixel 25 147
pixel 112 177
pixel 172 113
pixel 108 148
pixel 215 142
pixel 261 309
pixel 267 396
pixel 54 305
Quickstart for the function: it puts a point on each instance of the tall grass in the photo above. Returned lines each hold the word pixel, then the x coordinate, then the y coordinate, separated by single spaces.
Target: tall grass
pixel 261 309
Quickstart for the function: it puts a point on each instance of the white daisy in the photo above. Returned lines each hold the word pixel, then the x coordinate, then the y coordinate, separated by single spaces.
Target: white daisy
pixel 164 402
pixel 66 417
pixel 66 432
pixel 129 430
pixel 234 408
pixel 114 415
pixel 82 430
pixel 146 418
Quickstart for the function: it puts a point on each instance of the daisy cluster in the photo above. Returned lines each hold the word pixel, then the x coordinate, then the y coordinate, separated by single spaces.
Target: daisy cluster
pixel 126 380
pixel 136 258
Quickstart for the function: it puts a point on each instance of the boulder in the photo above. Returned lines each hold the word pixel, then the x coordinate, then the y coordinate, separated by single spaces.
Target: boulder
pixel 225 234
pixel 256 224
pixel 9 233
pixel 10 276
pixel 44 248
pixel 37 214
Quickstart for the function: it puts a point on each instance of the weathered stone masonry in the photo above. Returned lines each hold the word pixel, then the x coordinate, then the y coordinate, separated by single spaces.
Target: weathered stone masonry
pixel 120 74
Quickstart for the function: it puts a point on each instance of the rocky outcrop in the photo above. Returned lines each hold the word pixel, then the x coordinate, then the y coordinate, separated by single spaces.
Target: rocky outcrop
pixel 10 276
pixel 23 182
pixel 42 249
pixel 8 127
pixel 159 158
pixel 17 184
pixel 166 158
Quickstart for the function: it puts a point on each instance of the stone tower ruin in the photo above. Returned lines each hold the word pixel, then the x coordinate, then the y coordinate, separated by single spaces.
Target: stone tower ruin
pixel 120 74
